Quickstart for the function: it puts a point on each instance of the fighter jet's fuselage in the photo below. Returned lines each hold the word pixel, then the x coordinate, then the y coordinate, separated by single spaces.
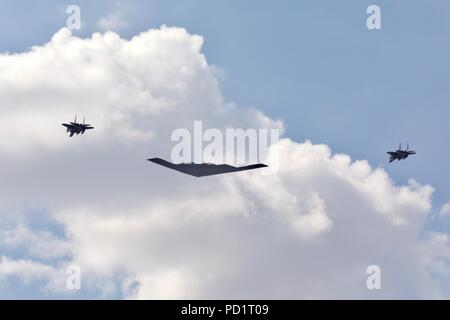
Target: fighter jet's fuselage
pixel 400 154
pixel 76 128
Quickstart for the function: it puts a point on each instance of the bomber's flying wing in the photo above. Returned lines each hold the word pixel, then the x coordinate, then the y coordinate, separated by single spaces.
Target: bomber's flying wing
pixel 204 169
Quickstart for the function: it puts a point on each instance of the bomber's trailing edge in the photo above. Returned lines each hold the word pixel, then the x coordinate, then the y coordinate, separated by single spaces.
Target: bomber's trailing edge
pixel 204 169
pixel 400 154
pixel 77 128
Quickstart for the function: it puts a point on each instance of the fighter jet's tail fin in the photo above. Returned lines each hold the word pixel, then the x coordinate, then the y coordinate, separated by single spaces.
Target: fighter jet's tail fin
pixel 86 125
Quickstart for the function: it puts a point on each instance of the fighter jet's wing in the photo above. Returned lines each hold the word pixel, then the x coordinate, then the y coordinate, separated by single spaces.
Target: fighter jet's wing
pixel 71 133
pixel 66 125
pixel 204 169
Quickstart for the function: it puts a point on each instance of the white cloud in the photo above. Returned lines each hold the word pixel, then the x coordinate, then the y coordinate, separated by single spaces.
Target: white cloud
pixel 445 210
pixel 52 279
pixel 113 22
pixel 27 270
pixel 309 231
pixel 40 244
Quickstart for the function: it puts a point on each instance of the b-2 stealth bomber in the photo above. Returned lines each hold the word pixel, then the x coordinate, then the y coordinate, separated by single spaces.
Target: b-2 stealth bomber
pixel 204 169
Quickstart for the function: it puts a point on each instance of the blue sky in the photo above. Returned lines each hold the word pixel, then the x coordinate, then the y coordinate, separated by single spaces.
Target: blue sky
pixel 313 64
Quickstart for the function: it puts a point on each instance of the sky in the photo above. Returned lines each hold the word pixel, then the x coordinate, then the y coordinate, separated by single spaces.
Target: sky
pixel 344 95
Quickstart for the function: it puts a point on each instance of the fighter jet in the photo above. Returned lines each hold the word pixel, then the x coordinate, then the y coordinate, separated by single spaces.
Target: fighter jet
pixel 77 128
pixel 204 169
pixel 400 154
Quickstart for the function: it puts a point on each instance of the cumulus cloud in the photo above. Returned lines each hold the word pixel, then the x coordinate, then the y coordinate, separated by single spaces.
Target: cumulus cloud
pixel 28 272
pixel 445 210
pixel 139 231
pixel 36 243
pixel 114 21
